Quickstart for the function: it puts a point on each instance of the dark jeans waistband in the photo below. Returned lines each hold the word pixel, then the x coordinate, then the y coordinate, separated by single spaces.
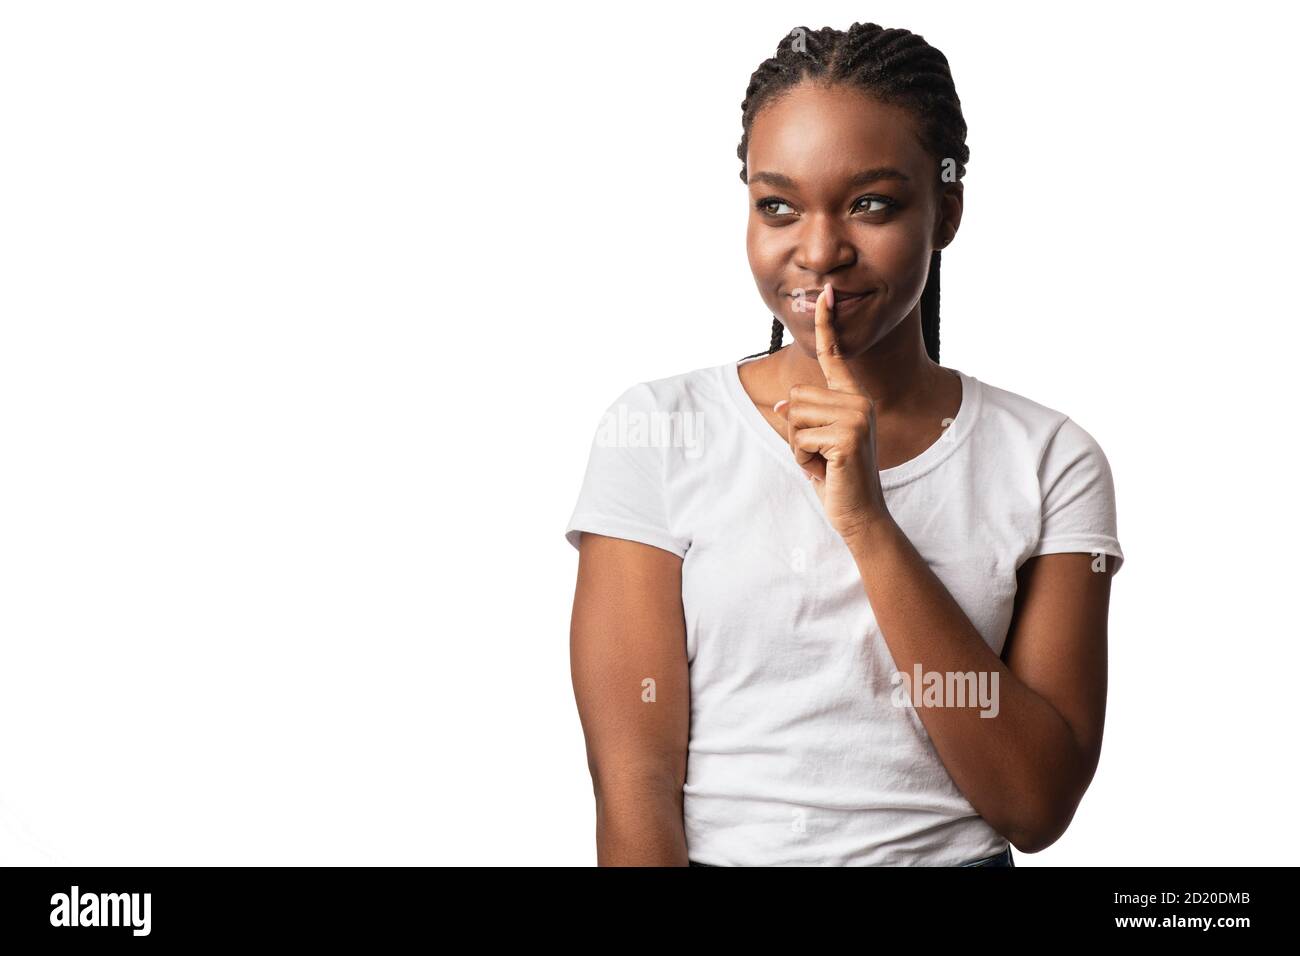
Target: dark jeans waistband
pixel 998 859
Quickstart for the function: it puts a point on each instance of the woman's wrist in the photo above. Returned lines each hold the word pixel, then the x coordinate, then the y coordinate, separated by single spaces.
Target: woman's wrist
pixel 867 535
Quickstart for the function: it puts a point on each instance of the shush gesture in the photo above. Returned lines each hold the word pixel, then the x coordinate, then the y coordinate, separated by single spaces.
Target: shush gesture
pixel 832 433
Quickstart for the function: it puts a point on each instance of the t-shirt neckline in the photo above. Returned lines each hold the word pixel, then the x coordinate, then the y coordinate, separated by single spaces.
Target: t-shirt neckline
pixel 954 435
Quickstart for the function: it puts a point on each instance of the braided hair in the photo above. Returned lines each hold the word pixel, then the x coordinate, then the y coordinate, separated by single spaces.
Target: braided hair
pixel 894 66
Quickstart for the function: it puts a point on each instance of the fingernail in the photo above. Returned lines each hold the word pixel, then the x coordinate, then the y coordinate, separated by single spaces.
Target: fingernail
pixel 830 296
pixel 777 406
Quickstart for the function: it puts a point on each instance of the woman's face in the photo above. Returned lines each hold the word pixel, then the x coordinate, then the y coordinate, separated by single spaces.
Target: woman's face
pixel 842 191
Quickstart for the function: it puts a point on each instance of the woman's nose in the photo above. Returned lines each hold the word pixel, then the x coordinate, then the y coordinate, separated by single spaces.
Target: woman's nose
pixel 823 245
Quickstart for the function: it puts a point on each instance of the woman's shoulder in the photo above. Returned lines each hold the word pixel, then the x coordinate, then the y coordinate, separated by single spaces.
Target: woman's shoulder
pixel 684 390
pixel 1033 425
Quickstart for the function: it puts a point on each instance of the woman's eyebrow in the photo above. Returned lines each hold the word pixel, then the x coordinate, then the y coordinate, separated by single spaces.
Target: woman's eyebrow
pixel 864 178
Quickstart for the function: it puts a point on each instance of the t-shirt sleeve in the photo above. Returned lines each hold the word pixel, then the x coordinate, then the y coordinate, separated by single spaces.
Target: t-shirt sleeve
pixel 1078 497
pixel 623 492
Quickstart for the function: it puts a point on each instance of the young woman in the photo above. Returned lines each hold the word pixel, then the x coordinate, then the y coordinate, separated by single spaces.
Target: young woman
pixel 838 604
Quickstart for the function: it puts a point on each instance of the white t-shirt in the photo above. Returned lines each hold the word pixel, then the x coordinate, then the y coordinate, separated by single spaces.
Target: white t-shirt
pixel 799 753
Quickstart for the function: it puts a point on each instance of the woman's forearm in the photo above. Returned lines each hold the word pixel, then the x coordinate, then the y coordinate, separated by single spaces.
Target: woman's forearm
pixel 1022 769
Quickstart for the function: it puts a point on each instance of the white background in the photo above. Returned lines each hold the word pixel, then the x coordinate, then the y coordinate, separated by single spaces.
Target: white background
pixel 310 310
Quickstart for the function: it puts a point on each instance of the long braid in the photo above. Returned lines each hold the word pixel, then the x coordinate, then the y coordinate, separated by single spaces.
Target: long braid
pixel 895 66
pixel 930 308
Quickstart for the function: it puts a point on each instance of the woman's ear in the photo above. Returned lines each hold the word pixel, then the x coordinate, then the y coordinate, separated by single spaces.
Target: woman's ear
pixel 948 215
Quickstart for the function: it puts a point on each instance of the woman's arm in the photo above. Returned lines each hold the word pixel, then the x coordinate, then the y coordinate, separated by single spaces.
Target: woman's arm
pixel 632 684
pixel 1025 769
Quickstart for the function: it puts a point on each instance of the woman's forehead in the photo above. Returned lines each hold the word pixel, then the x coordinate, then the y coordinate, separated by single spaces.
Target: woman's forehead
pixel 811 131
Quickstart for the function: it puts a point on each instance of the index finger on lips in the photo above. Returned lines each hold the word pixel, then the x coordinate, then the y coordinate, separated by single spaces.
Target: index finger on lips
pixel 839 376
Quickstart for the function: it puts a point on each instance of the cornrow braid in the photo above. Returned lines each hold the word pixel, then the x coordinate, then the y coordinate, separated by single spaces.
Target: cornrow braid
pixel 895 66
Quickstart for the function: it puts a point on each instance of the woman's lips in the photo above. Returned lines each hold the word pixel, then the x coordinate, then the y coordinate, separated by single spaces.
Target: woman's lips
pixel 843 301
pixel 848 303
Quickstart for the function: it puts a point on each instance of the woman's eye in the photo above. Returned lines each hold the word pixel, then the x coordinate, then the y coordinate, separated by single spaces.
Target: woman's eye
pixel 765 205
pixel 886 203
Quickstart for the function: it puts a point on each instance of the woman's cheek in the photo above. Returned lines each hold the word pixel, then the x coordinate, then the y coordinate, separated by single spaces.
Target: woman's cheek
pixel 900 259
pixel 765 264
